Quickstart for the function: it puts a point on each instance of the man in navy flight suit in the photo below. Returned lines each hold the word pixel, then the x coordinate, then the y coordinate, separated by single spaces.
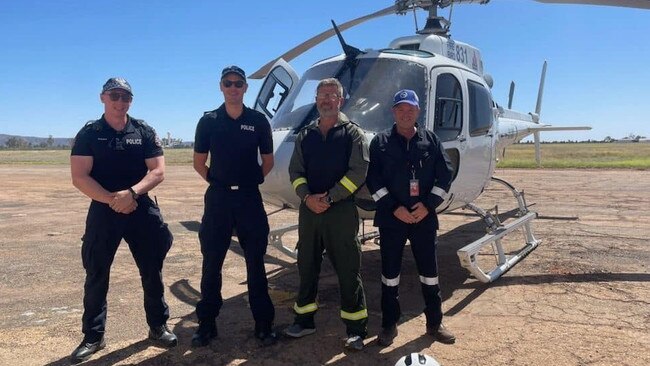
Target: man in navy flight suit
pixel 115 161
pixel 233 134
pixel 409 176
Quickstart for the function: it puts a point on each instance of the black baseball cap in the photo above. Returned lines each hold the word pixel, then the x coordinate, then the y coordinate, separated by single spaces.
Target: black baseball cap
pixel 233 70
pixel 117 83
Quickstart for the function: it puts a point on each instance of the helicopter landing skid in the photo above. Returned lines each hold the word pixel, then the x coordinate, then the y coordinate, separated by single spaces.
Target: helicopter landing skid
pixel 275 239
pixel 496 231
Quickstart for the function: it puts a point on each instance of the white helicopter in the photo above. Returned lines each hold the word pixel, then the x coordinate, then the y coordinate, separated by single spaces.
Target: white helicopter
pixel 456 103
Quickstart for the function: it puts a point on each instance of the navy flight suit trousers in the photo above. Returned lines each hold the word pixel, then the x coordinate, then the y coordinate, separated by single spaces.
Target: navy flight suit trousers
pixel 422 237
pixel 149 240
pixel 240 209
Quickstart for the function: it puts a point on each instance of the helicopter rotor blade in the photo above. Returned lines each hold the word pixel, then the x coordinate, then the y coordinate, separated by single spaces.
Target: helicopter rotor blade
pixel 305 46
pixel 538 110
pixel 640 4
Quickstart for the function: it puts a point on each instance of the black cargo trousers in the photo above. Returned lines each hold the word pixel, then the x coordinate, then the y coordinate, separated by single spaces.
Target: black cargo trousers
pixel 227 208
pixel 149 240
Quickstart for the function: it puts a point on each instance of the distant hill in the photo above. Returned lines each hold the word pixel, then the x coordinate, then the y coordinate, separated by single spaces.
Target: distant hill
pixel 32 141
pixel 27 142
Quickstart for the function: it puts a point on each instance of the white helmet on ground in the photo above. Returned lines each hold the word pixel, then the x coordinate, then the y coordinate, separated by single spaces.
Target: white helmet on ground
pixel 417 359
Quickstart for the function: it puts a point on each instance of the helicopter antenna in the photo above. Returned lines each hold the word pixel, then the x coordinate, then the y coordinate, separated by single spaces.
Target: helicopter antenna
pixel 350 52
pixel 511 94
pixel 415 19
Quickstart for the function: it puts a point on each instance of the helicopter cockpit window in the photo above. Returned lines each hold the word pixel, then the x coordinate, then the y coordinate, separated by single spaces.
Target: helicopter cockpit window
pixel 448 120
pixel 480 109
pixel 368 87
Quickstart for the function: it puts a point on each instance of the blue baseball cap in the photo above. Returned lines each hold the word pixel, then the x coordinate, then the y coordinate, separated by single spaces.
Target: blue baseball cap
pixel 117 83
pixel 233 70
pixel 406 96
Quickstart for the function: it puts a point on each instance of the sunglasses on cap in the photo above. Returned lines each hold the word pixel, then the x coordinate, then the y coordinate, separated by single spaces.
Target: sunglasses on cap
pixel 228 83
pixel 126 98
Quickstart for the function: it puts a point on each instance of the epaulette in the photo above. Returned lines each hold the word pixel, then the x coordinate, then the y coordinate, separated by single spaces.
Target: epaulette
pixel 307 126
pixel 354 123
pixel 139 123
pixel 212 112
pixel 94 124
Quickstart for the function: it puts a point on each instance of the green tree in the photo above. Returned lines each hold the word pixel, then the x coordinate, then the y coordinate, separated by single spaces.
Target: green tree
pixel 16 143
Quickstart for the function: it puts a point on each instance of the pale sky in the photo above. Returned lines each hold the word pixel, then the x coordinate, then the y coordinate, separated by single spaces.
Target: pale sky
pixel 57 54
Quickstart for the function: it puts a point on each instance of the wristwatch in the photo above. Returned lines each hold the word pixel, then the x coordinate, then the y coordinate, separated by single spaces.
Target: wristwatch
pixel 328 200
pixel 133 194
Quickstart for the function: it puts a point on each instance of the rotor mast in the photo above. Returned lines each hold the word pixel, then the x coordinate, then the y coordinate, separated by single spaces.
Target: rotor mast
pixel 435 24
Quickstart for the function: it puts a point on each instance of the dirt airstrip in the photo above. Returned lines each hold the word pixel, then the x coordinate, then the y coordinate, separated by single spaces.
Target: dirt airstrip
pixel 582 298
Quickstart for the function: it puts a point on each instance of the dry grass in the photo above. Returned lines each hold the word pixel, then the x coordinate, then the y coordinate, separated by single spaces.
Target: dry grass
pixel 556 156
pixel 579 155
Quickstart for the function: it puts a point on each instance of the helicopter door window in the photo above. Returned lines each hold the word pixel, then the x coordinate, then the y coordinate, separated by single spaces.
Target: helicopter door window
pixel 448 120
pixel 275 89
pixel 480 109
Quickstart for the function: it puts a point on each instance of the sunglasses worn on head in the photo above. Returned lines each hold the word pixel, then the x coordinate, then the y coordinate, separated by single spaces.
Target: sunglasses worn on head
pixel 228 83
pixel 126 98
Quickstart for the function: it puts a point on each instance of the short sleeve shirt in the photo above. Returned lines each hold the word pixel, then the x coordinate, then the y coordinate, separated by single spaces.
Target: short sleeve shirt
pixel 234 145
pixel 118 156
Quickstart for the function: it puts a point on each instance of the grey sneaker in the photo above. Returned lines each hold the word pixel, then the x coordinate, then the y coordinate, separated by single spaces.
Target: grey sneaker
pixel 354 342
pixel 297 331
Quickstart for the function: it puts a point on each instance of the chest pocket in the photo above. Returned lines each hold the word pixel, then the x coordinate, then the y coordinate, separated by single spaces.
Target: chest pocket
pixel 396 163
pixel 421 156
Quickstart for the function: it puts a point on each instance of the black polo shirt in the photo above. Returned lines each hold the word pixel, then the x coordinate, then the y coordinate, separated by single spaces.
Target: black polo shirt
pixel 118 156
pixel 233 145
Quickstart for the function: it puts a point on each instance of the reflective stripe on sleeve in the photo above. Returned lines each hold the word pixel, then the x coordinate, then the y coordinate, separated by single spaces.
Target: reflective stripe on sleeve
pixel 438 192
pixel 379 194
pixel 361 314
pixel 348 184
pixel 392 282
pixel 298 182
pixel 309 308
pixel 430 281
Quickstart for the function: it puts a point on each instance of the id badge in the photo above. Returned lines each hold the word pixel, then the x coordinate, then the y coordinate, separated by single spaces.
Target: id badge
pixel 414 187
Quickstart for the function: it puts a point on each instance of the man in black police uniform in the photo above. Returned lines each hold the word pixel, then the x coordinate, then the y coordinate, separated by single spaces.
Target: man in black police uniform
pixel 233 134
pixel 409 176
pixel 115 161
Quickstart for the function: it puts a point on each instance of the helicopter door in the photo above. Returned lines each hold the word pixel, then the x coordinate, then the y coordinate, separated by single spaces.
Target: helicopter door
pixel 275 88
pixel 477 163
pixel 454 102
pixel 445 118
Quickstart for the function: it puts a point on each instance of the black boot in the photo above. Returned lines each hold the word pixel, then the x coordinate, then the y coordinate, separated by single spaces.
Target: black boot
pixel 163 335
pixel 86 349
pixel 442 334
pixel 207 330
pixel 265 334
